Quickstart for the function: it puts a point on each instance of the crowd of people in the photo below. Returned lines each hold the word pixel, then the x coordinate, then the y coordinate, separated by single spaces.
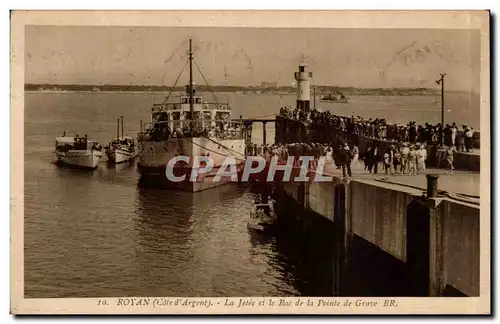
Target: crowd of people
pixel 221 130
pixel 406 158
pixel 376 128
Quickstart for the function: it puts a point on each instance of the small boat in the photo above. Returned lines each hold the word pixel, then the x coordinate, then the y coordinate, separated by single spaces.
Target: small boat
pixel 121 149
pixel 339 97
pixel 262 219
pixel 78 151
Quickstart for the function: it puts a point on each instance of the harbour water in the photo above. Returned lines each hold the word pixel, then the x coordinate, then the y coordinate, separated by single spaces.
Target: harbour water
pixel 96 233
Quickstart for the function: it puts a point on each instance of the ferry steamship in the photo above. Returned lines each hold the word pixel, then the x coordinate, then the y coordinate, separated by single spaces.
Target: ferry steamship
pixel 188 126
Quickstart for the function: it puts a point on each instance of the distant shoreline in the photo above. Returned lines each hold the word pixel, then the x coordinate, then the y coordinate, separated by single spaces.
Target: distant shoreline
pixel 248 92
pixel 321 90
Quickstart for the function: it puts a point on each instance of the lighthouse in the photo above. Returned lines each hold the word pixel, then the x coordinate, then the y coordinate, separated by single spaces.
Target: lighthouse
pixel 303 78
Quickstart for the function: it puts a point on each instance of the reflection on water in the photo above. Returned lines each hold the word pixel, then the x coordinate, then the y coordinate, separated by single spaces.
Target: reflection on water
pixel 96 233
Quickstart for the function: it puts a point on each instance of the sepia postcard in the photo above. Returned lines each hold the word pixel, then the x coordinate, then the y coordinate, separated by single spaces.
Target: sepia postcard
pixel 250 162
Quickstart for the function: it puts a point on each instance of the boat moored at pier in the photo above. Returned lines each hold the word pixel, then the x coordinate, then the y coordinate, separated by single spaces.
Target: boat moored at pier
pixel 78 152
pixel 121 150
pixel 191 127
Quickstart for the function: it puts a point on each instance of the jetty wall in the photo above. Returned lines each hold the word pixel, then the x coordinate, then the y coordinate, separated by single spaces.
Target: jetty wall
pixel 431 242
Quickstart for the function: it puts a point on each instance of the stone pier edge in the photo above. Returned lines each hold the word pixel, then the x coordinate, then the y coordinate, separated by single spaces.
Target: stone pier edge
pixel 438 211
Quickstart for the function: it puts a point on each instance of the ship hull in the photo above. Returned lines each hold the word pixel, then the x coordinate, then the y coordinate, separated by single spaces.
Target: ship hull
pixel 335 100
pixel 154 156
pixel 81 159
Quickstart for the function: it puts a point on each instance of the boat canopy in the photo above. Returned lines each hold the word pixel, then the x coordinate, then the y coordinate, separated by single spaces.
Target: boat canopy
pixel 65 140
pixel 71 140
pixel 125 138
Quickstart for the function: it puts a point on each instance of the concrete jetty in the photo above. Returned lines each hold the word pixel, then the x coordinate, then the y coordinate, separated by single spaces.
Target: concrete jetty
pixel 423 228
pixel 433 237
pixel 430 237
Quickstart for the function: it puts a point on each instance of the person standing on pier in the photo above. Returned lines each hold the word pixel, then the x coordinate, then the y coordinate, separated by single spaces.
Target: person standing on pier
pixel 447 135
pixel 404 158
pixel 421 158
pixel 469 133
pixel 397 161
pixel 460 146
pixel 412 132
pixel 336 156
pixel 283 154
pixel 375 158
pixel 355 155
pixel 387 162
pixel 450 152
pixel 329 154
pixel 367 157
pixel 412 159
pixel 345 160
pixel 391 151
pixel 454 131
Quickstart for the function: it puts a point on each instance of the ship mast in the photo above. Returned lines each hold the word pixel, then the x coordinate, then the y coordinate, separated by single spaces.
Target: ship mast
pixel 225 76
pixel 191 90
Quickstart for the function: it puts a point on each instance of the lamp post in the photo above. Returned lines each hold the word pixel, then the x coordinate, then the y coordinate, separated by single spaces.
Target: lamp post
pixel 314 96
pixel 441 82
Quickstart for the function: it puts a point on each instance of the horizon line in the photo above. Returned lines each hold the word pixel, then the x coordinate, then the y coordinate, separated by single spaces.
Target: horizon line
pixel 246 86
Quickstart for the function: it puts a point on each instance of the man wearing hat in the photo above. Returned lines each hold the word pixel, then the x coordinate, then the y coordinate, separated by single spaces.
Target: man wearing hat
pixel 345 160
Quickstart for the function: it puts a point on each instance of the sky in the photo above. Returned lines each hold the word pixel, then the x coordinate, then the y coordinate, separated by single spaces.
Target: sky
pixel 380 58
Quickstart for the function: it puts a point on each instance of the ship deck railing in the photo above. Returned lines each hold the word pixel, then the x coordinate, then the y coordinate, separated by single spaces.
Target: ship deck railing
pixel 189 121
pixel 167 107
pixel 146 136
